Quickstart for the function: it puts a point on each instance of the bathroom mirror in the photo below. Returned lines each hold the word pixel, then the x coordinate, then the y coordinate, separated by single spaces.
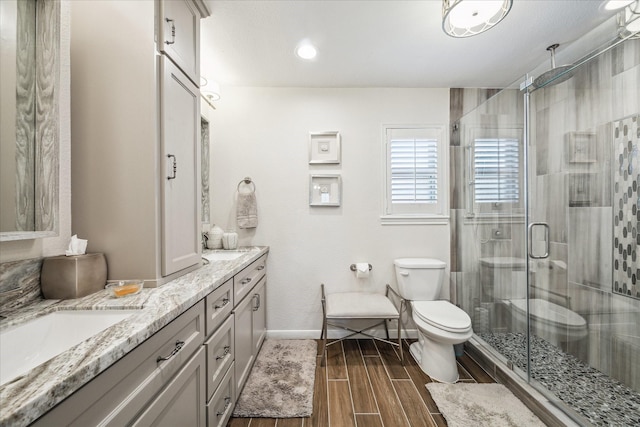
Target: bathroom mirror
pixel 29 136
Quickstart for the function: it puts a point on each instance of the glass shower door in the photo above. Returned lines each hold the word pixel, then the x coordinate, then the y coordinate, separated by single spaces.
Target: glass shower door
pixel 582 185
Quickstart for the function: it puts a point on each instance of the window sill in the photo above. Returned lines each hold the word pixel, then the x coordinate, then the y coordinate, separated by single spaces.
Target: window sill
pixel 493 218
pixel 414 220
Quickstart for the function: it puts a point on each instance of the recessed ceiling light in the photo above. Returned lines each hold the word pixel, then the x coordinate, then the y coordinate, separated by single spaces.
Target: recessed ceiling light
pixel 306 50
pixel 617 4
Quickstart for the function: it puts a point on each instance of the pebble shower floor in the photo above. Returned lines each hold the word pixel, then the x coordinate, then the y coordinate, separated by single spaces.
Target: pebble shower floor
pixel 600 399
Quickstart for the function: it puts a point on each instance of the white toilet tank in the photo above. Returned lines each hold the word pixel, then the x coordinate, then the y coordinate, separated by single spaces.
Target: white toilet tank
pixel 419 279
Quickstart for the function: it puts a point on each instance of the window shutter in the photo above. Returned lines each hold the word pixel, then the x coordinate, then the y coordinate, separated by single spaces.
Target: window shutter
pixel 496 167
pixel 414 170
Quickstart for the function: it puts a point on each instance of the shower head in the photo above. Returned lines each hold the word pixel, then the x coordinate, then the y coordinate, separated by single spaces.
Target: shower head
pixel 556 74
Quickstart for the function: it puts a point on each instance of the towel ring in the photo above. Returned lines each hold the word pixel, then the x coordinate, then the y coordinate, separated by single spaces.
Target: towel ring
pixel 247 180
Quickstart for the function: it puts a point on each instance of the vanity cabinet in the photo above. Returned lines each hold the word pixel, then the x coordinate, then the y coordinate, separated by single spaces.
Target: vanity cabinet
pixel 136 135
pixel 161 378
pixel 190 372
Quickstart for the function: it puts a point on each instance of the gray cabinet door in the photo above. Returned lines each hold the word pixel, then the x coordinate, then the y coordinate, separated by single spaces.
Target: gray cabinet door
pixel 183 401
pixel 179 35
pixel 244 340
pixel 259 321
pixel 180 169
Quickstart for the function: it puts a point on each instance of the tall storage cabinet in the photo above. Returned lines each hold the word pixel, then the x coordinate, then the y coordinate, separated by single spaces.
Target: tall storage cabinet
pixel 136 134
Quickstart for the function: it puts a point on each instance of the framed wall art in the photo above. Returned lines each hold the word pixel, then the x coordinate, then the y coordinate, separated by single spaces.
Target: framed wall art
pixel 324 148
pixel 325 190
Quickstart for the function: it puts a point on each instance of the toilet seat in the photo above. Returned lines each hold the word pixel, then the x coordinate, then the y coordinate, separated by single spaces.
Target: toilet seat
pixel 549 313
pixel 442 315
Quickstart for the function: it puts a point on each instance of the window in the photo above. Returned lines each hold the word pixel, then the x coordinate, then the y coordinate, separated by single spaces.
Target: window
pixel 415 184
pixel 494 172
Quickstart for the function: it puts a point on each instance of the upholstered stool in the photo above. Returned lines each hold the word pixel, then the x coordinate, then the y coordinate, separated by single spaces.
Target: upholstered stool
pixel 356 306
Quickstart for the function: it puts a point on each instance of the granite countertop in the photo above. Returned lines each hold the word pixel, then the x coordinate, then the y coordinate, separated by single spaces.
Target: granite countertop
pixel 30 396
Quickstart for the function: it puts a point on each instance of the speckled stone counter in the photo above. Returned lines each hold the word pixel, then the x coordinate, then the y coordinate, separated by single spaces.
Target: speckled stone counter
pixel 28 397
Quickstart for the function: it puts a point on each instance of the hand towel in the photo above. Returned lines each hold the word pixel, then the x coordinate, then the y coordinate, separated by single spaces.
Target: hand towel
pixel 247 210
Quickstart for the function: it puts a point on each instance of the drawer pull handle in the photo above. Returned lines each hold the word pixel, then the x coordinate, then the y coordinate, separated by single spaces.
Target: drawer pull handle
pixel 227 403
pixel 173 31
pixel 174 166
pixel 176 349
pixel 245 281
pixel 260 267
pixel 256 298
pixel 225 301
pixel 227 350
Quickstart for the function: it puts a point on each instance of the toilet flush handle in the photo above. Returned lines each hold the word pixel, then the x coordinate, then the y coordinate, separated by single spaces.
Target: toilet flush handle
pixel 404 273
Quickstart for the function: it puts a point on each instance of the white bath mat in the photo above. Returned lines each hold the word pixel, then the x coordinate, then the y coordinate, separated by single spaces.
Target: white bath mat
pixel 490 405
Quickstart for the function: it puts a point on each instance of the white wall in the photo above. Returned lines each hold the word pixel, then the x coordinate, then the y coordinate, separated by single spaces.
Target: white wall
pixel 263 133
pixel 51 246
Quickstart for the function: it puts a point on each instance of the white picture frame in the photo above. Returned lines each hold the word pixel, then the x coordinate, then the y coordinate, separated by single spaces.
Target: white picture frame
pixel 324 148
pixel 325 190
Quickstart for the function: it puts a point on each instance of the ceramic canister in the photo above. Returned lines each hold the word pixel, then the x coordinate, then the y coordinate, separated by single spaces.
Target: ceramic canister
pixel 230 240
pixel 215 237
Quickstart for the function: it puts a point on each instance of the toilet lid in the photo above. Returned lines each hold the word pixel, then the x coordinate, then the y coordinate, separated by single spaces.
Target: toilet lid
pixel 546 311
pixel 443 315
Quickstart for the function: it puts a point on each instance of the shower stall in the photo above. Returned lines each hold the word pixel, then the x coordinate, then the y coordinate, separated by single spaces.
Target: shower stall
pixel 545 218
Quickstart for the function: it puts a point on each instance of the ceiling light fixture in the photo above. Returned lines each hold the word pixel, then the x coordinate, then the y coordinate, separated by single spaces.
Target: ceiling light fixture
pixel 629 20
pixel 466 18
pixel 213 91
pixel 617 4
pixel 306 50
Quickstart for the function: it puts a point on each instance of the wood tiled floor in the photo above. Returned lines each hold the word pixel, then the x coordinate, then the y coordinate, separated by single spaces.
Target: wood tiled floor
pixel 364 385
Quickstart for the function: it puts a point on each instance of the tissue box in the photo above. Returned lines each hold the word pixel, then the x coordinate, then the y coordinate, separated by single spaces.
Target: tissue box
pixel 75 276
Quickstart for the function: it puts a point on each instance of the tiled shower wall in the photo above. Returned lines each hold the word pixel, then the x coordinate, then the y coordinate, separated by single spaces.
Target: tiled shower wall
pixel 574 177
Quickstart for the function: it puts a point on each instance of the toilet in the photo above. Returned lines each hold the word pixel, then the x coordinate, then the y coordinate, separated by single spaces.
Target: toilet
pixel 440 324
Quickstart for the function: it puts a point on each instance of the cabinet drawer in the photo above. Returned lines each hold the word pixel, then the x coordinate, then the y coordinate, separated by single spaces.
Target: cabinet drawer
pixel 182 402
pixel 244 281
pixel 218 305
pixel 118 394
pixel 220 354
pixel 220 406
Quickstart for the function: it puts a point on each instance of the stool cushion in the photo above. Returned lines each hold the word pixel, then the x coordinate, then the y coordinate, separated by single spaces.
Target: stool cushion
pixel 360 305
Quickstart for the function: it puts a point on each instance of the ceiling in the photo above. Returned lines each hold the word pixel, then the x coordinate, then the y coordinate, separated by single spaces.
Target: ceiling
pixel 382 43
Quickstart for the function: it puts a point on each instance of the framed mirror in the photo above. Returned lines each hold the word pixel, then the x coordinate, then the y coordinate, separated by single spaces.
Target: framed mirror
pixel 29 137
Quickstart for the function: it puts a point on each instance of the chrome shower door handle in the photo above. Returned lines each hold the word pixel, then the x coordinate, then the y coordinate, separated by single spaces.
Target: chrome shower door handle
pixel 530 229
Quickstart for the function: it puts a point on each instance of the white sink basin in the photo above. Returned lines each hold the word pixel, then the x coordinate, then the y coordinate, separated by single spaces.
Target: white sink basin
pixel 223 255
pixel 27 345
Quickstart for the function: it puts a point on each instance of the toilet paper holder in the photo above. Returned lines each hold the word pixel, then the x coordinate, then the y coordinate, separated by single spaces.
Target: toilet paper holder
pixel 353 267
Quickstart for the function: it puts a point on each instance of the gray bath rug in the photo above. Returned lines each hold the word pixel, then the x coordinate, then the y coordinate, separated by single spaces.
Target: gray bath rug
pixel 491 405
pixel 280 384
